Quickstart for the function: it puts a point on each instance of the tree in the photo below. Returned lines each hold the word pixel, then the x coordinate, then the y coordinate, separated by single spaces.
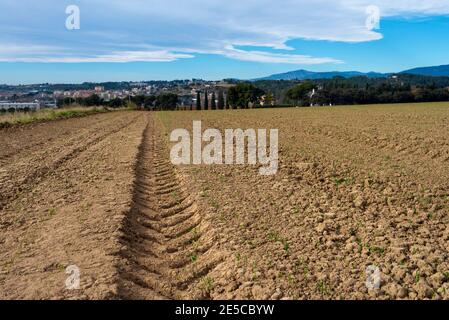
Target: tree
pixel 359 90
pixel 168 101
pixel 149 102
pixel 93 100
pixel 300 93
pixel 233 97
pixel 116 103
pixel 220 102
pixel 213 104
pixel 269 99
pixel 138 100
pixel 206 101
pixel 67 101
pixel 242 94
pixel 198 101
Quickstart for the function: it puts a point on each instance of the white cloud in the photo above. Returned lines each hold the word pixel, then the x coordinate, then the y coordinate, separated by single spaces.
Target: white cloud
pixel 36 53
pixel 149 56
pixel 167 30
pixel 405 8
pixel 267 57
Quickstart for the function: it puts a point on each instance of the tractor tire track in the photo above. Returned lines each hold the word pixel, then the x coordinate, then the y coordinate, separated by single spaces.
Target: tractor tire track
pixel 169 245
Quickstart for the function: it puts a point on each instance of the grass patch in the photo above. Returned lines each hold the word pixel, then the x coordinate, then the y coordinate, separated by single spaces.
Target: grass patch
pixel 214 204
pixel 193 257
pixel 417 276
pixel 51 212
pixel 342 180
pixel 301 267
pixel 238 257
pixel 446 277
pixel 323 288
pixel 273 236
pixel 207 284
pixel 24 118
pixel 295 211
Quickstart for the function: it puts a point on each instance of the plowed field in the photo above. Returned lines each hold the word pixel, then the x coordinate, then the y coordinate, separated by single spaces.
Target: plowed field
pixel 357 187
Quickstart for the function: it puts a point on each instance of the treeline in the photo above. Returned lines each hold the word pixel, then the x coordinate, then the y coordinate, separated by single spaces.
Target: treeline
pixel 168 101
pixel 372 95
pixel 401 88
pixel 123 85
pixel 217 101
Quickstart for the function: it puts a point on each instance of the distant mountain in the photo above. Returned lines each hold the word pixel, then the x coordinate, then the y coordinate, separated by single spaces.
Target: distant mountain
pixel 437 71
pixel 304 74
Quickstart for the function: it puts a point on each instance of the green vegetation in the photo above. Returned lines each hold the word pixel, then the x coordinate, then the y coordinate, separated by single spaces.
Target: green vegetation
pixel 51 212
pixel 193 257
pixel 198 101
pixel 243 94
pixel 343 180
pixel 220 101
pixel 301 267
pixel 23 118
pixel 238 256
pixel 207 284
pixel 402 88
pixel 206 101
pixel 323 288
pixel 213 104
pixel 295 211
pixel 301 93
pixel 166 101
pixel 275 237
pixel 417 276
pixel 446 277
pixel 214 204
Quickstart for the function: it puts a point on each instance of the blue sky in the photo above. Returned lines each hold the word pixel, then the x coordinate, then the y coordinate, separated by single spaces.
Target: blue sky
pixel 180 39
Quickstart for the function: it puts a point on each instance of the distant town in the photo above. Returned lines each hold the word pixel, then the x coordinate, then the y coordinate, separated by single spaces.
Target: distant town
pixel 197 94
pixel 56 95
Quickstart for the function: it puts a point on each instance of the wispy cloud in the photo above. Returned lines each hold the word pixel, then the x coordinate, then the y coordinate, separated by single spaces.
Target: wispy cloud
pixel 267 57
pixel 123 56
pixel 168 30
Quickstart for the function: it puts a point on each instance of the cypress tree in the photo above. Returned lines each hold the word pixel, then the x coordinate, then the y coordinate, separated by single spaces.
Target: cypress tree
pixel 206 101
pixel 198 101
pixel 213 104
pixel 220 103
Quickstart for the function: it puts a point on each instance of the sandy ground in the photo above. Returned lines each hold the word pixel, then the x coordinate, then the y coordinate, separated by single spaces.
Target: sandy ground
pixel 357 187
